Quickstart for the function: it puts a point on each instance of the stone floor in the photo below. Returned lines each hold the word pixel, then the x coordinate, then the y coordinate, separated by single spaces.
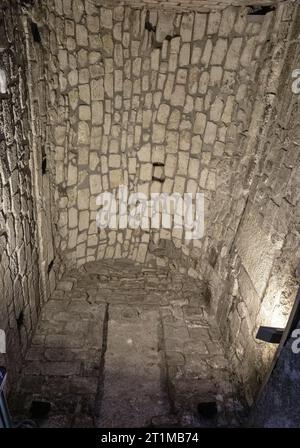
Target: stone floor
pixel 121 345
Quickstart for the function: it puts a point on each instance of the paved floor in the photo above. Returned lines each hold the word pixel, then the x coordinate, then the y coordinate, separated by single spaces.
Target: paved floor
pixel 121 345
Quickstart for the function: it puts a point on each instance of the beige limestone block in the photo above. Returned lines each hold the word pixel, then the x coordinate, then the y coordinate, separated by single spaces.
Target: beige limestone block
pixel 199 123
pixel 172 140
pixel 203 83
pixel 196 145
pixel 171 165
pixel 199 26
pixel 183 161
pixel 163 113
pixel 116 178
pixel 194 166
pixel 227 21
pixel 233 54
pixel 106 18
pixel 219 52
pixel 210 133
pixel 178 96
pixel 185 55
pixel 214 21
pixel 81 36
pixel 203 177
pixel 158 135
pixel 205 59
pixel 186 28
pixel 83 222
pixel 92 23
pixel 114 161
pixel 83 133
pixel 174 119
pixel 95 184
pixel 216 109
pixel 97 112
pixel 84 93
pixel 146 172
pixel 83 199
pixel 84 113
pixel 73 217
pixel 144 154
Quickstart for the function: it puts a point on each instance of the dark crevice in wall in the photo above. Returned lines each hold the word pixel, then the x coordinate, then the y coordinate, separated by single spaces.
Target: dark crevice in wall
pixel 27 2
pixel 35 32
pixel 20 320
pixel 149 26
pixel 260 10
pixel 44 166
pixel 169 37
pixel 50 266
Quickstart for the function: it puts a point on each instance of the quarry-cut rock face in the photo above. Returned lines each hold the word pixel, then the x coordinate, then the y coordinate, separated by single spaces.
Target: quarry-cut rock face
pixel 165 98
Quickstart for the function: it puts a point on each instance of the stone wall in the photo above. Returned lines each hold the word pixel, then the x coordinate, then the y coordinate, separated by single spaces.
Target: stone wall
pixel 176 102
pixel 158 102
pixel 27 268
pixel 264 264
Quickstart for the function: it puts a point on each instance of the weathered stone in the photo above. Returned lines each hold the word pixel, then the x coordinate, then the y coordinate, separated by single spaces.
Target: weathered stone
pixel 106 18
pixel 178 96
pixel 210 133
pixel 233 55
pixel 163 113
pixel 158 133
pixel 83 133
pixel 200 123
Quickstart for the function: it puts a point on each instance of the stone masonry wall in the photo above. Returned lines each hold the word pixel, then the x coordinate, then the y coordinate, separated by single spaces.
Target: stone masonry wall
pixel 170 102
pixel 158 102
pixel 264 273
pixel 26 273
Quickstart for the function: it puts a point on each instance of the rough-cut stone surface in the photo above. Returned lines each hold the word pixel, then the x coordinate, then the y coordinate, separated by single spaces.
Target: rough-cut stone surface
pixel 265 254
pixel 119 345
pixel 181 84
pixel 26 250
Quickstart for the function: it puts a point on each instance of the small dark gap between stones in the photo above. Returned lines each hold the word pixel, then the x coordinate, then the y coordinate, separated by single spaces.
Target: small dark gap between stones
pixel 158 179
pixel 35 32
pixel 50 266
